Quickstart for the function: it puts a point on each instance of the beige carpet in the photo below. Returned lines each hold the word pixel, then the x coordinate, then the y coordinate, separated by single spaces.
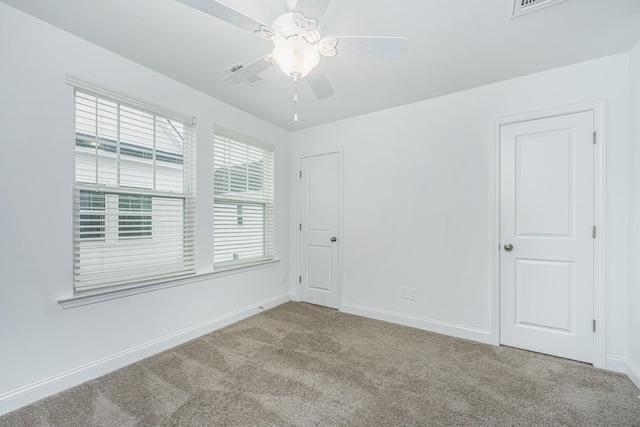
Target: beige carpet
pixel 303 365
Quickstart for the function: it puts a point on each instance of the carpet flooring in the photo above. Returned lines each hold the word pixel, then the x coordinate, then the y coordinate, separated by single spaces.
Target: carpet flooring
pixel 304 365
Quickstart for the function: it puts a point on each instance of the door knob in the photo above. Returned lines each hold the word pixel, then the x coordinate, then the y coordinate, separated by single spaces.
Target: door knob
pixel 334 239
pixel 508 247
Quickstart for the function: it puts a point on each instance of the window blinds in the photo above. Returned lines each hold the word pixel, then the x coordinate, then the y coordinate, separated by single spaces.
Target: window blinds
pixel 243 200
pixel 134 194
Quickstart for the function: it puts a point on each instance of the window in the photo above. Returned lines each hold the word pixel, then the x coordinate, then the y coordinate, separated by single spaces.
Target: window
pixel 243 200
pixel 134 193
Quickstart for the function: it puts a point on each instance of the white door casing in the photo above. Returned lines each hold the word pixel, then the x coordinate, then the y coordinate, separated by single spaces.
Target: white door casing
pixel 319 254
pixel 547 215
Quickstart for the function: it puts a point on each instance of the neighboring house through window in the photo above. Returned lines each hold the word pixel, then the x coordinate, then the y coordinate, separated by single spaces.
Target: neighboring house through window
pixel 92 215
pixel 134 216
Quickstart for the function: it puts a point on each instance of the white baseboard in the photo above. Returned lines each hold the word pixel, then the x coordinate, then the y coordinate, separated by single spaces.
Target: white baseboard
pixel 46 387
pixel 633 372
pixel 445 328
pixel 616 363
pixel 294 297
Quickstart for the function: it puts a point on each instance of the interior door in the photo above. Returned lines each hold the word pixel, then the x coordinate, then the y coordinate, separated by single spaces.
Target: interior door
pixel 319 229
pixel 547 232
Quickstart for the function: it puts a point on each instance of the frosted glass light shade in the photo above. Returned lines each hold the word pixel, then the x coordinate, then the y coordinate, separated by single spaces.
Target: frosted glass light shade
pixel 296 57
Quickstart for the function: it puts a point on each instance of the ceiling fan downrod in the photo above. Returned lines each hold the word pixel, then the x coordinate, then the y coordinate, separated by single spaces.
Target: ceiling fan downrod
pixel 295 97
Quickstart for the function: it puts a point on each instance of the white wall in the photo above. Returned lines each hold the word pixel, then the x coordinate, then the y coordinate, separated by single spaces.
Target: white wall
pixel 38 339
pixel 418 198
pixel 634 214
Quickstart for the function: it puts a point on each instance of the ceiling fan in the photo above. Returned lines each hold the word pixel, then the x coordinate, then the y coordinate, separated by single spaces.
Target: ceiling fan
pixel 298 43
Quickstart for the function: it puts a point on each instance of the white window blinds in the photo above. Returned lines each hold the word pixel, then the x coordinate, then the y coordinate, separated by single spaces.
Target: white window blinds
pixel 134 194
pixel 243 200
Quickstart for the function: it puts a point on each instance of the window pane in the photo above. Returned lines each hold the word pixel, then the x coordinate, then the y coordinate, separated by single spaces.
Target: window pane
pixel 92 221
pixel 170 140
pixel 134 219
pixel 107 142
pixel 240 231
pixel 137 148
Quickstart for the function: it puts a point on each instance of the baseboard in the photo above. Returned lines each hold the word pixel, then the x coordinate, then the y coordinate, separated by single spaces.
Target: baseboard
pixel 616 363
pixel 445 328
pixel 633 372
pixel 294 297
pixel 22 396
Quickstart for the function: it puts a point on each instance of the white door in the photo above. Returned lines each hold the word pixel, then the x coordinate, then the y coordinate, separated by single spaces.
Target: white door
pixel 319 227
pixel 546 233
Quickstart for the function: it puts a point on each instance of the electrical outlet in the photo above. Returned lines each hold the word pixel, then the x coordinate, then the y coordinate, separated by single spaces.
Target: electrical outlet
pixel 413 294
pixel 404 293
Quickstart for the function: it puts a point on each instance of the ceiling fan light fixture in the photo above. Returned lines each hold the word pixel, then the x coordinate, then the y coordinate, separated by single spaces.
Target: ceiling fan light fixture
pixel 296 57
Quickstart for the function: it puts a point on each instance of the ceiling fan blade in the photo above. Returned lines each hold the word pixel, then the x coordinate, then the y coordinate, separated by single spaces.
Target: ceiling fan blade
pixel 248 71
pixel 311 9
pixel 226 13
pixel 320 84
pixel 372 47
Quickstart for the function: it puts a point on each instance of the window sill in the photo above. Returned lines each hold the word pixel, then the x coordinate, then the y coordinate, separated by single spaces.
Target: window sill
pixel 97 297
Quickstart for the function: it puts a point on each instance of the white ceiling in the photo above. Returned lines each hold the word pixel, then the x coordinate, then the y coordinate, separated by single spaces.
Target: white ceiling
pixel 453 45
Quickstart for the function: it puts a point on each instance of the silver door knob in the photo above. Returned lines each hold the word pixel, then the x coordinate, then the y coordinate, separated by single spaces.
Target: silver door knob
pixel 508 247
pixel 334 239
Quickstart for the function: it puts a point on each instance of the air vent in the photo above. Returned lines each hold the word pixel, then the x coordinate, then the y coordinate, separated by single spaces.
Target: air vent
pixel 254 80
pixel 234 68
pixel 523 6
pixel 251 80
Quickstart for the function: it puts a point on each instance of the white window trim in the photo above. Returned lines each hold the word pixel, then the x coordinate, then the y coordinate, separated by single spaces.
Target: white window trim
pixel 108 295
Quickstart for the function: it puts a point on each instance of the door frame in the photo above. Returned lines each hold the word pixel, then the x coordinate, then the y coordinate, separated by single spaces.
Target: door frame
pixel 296 255
pixel 598 108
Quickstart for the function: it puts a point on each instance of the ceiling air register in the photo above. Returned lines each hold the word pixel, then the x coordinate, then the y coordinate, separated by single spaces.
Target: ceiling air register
pixel 523 6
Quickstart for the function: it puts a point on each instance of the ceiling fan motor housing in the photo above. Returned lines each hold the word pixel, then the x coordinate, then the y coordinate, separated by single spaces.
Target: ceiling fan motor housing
pixel 295 24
